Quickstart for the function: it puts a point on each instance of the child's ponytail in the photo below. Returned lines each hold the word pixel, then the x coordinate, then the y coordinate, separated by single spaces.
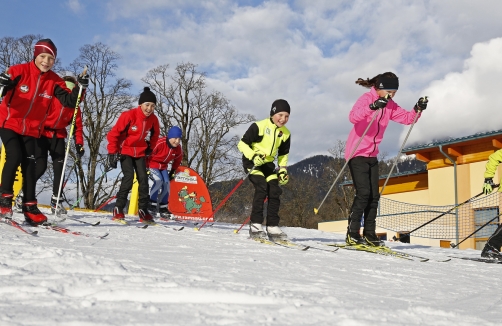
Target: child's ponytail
pixel 368 83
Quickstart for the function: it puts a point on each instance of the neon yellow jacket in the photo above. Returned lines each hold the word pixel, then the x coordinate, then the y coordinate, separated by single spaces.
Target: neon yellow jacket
pixel 491 166
pixel 265 137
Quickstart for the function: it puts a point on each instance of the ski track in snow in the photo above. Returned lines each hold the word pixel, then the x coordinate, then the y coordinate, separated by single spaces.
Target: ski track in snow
pixel 158 276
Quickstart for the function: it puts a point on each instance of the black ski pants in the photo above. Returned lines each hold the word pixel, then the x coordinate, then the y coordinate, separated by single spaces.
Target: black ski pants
pixel 55 147
pixel 496 239
pixel 130 165
pixel 19 149
pixel 364 172
pixel 262 190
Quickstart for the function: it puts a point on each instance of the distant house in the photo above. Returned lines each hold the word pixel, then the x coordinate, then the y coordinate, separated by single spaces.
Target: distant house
pixel 454 175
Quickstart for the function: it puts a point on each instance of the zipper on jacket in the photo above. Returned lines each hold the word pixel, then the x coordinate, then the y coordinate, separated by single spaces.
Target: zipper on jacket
pixel 378 131
pixel 31 104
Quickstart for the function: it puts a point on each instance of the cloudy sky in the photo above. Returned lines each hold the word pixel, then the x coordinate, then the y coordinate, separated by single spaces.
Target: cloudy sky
pixel 307 52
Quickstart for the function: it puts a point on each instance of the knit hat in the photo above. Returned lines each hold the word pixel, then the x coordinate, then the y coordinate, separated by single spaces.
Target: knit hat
pixel 174 132
pixel 280 106
pixel 45 46
pixel 147 96
pixel 387 83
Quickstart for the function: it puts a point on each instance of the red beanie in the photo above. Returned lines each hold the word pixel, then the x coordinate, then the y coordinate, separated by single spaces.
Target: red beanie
pixel 45 46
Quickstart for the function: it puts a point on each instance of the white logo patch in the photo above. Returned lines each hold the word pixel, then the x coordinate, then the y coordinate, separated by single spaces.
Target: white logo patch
pixel 45 95
pixel 267 131
pixel 134 128
pixel 24 88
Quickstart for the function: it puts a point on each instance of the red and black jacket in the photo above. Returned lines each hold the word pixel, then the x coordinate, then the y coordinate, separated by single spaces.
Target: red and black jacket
pixel 128 135
pixel 60 117
pixel 163 153
pixel 26 104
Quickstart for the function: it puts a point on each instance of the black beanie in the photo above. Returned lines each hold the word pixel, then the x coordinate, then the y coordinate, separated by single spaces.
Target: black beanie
pixel 147 96
pixel 280 106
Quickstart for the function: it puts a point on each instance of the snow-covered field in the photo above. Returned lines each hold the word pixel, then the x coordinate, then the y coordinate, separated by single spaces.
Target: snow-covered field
pixel 159 276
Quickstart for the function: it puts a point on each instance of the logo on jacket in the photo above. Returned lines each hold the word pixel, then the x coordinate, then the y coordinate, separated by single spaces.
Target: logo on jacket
pixel 45 95
pixel 267 131
pixel 24 88
pixel 280 134
pixel 134 128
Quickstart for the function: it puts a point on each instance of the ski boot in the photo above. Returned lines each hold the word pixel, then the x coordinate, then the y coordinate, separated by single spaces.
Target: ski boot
pixel 144 216
pixel 353 239
pixel 165 213
pixel 32 214
pixel 275 234
pixel 153 208
pixel 491 252
pixel 6 205
pixel 256 231
pixel 373 240
pixel 59 203
pixel 118 214
pixel 18 202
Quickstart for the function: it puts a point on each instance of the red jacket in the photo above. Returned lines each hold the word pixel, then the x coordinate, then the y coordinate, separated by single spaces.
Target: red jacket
pixel 128 135
pixel 24 107
pixel 59 118
pixel 163 153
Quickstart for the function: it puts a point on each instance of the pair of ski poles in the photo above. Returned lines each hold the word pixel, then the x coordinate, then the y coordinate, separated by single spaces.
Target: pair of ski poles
pixel 70 134
pixel 316 210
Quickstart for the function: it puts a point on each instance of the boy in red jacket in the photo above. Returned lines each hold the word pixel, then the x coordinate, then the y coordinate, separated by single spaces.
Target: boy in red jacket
pixel 127 142
pixel 52 141
pixel 168 149
pixel 29 89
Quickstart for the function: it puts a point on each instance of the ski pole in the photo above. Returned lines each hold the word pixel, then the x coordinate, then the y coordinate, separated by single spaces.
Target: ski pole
pixel 70 134
pixel 470 235
pixel 401 149
pixel 225 199
pixel 247 220
pixel 316 210
pixel 448 211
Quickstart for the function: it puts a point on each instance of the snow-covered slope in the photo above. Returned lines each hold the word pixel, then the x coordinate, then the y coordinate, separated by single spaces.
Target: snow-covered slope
pixel 159 276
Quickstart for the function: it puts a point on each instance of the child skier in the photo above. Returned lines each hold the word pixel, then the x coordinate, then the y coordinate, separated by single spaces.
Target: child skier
pixel 260 144
pixel 492 246
pixel 52 141
pixel 126 142
pixel 29 89
pixel 168 149
pixel 363 163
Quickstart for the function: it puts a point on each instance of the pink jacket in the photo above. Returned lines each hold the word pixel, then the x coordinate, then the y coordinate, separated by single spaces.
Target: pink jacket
pixel 361 115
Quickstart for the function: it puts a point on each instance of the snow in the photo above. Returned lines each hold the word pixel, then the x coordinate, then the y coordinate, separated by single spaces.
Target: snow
pixel 159 276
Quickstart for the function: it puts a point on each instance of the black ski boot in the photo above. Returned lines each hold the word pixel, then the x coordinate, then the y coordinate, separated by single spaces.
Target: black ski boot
pixel 373 240
pixel 491 252
pixel 353 239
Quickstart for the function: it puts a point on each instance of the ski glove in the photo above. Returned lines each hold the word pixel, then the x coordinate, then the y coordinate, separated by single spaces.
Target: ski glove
pixel 112 161
pixel 283 176
pixel 421 104
pixel 171 175
pixel 80 150
pixel 488 186
pixel 83 81
pixel 148 151
pixel 5 80
pixel 380 103
pixel 258 159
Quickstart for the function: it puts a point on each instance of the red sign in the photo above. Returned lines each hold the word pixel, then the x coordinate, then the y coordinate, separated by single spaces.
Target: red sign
pixel 189 198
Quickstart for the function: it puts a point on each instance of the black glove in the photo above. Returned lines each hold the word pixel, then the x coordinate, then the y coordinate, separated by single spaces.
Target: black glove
pixel 488 186
pixel 80 150
pixel 380 103
pixel 171 174
pixel 83 81
pixel 112 160
pixel 5 80
pixel 148 151
pixel 421 104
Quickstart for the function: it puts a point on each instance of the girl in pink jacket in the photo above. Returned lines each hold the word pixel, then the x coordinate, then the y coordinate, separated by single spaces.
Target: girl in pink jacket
pixel 363 162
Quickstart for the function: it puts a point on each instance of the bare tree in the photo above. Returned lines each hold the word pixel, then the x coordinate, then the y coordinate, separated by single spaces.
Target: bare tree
pixel 106 97
pixel 206 119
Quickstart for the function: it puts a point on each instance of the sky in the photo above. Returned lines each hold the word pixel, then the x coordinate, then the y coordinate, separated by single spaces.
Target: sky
pixel 159 276
pixel 307 52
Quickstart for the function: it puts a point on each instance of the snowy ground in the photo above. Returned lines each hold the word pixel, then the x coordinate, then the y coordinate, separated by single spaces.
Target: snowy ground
pixel 158 276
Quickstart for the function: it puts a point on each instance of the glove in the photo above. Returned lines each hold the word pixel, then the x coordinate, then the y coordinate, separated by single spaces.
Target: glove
pixel 83 81
pixel 171 175
pixel 5 80
pixel 112 160
pixel 283 176
pixel 258 159
pixel 488 186
pixel 148 151
pixel 80 150
pixel 421 104
pixel 380 103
